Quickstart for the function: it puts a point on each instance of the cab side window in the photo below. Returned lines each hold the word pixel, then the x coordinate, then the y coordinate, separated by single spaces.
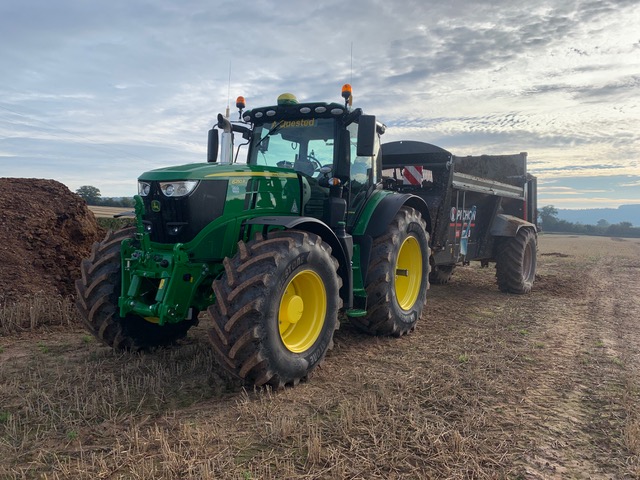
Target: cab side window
pixel 362 176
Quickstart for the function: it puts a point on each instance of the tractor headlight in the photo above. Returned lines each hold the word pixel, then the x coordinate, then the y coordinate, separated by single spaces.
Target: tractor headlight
pixel 178 189
pixel 143 188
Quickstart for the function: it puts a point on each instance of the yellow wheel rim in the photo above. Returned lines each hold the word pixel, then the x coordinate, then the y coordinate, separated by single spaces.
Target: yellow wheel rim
pixel 408 273
pixel 303 307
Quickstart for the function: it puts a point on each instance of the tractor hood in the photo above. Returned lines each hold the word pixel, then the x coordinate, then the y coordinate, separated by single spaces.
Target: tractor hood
pixel 189 201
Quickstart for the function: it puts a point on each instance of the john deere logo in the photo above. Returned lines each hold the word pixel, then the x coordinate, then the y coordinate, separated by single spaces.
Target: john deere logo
pixel 155 205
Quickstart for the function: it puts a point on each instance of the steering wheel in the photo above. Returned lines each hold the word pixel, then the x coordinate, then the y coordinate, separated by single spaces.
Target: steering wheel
pixel 311 158
pixel 315 163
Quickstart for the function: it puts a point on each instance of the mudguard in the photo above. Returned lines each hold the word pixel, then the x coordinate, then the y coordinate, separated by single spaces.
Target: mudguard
pixel 386 210
pixel 374 222
pixel 508 225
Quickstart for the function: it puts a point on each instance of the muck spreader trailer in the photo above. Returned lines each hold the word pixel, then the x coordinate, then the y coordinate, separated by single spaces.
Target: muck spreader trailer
pixel 482 208
pixel 320 221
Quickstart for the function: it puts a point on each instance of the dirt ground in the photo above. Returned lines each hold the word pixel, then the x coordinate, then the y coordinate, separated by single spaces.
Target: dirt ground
pixel 540 386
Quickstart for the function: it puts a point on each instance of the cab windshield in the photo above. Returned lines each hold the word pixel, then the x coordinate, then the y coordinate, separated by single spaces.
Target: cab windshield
pixel 304 145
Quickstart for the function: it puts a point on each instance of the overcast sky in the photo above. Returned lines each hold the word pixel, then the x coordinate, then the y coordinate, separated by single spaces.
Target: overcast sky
pixel 95 93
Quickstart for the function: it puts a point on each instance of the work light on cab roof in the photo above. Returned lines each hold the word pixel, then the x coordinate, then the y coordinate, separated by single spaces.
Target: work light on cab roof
pixel 290 100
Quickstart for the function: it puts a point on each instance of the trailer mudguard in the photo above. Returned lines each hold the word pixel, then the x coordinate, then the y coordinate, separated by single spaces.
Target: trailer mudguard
pixel 508 225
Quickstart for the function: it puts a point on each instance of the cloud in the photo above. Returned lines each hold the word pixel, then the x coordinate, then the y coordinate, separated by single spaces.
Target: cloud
pixel 631 184
pixel 106 90
pixel 587 202
pixel 567 191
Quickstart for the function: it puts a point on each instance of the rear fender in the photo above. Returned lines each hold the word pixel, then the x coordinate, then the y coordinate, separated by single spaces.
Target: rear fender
pixel 375 224
pixel 377 221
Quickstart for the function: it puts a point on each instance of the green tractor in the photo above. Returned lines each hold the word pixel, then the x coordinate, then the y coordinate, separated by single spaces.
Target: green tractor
pixel 273 249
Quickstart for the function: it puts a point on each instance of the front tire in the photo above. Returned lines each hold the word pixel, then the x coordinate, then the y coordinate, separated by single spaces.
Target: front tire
pixel 516 259
pixel 398 277
pixel 97 301
pixel 276 308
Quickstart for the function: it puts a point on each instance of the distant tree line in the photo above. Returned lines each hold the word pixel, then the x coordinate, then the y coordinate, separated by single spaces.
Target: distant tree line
pixel 548 218
pixel 92 196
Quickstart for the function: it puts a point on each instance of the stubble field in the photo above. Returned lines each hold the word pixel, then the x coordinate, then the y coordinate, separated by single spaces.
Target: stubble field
pixel 489 385
pixel 108 212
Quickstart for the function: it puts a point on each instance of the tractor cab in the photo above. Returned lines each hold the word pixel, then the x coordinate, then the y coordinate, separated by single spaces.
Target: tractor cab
pixel 332 148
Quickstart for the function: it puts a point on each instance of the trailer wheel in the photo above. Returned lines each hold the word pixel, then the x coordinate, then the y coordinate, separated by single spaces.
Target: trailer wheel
pixel 398 277
pixel 97 301
pixel 441 274
pixel 276 308
pixel 516 262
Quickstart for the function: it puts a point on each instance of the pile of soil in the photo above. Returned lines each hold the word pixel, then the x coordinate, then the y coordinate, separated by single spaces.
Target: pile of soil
pixel 45 232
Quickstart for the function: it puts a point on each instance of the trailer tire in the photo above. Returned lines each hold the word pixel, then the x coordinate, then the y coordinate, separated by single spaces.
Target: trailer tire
pixel 516 262
pixel 98 291
pixel 276 308
pixel 441 274
pixel 398 277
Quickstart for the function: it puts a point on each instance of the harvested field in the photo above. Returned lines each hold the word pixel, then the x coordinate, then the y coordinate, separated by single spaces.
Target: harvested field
pixel 489 385
pixel 108 212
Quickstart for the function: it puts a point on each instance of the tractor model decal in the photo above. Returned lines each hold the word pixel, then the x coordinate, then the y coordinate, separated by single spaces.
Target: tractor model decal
pixel 310 122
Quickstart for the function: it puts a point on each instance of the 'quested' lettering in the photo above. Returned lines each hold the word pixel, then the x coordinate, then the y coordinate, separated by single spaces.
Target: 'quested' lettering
pixel 307 122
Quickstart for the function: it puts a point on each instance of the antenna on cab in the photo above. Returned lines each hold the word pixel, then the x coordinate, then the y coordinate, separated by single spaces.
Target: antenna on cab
pixel 226 113
pixel 347 92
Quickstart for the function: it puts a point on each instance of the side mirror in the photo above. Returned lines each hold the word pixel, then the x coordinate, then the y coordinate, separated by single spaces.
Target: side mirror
pixel 212 146
pixel 366 136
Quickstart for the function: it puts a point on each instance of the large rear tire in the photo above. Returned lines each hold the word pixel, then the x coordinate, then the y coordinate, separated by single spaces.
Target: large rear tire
pixel 276 308
pixel 97 300
pixel 398 277
pixel 516 259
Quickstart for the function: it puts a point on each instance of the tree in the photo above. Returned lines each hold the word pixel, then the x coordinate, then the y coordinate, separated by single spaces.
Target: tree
pixel 548 216
pixel 90 194
pixel 622 229
pixel 602 223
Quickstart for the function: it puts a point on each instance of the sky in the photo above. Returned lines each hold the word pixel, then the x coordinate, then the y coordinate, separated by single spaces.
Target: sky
pixel 96 93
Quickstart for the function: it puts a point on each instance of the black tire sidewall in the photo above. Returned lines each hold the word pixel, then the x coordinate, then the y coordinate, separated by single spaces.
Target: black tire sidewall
pixel 290 365
pixel 410 317
pixel 530 250
pixel 511 260
pixel 384 314
pixel 131 332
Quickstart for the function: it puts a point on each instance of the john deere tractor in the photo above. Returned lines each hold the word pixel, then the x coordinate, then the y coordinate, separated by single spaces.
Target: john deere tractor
pixel 273 249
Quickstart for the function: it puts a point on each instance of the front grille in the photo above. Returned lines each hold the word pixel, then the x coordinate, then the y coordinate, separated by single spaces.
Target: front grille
pixel 173 220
